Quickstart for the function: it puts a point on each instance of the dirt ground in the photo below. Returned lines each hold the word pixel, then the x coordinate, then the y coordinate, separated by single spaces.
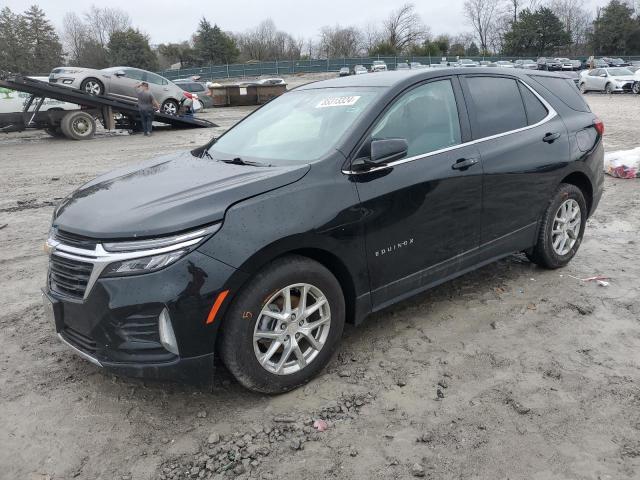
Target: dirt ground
pixel 507 372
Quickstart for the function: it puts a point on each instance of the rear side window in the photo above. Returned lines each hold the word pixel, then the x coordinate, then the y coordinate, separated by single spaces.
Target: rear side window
pixel 498 105
pixel 536 111
pixel 565 90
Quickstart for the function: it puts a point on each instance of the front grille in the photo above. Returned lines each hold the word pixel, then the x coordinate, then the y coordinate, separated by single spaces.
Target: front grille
pixel 69 277
pixel 79 340
pixel 73 240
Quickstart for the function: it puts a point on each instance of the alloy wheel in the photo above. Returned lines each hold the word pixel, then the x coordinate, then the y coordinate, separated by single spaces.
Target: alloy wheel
pixel 81 126
pixel 566 227
pixel 169 108
pixel 93 87
pixel 292 329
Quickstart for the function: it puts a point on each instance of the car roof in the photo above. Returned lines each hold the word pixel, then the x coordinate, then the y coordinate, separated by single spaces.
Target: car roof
pixel 396 78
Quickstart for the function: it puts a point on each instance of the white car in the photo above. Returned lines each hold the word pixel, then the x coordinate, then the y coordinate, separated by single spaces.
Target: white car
pixel 12 101
pixel 378 66
pixel 359 70
pixel 504 64
pixel 526 64
pixel 566 63
pixel 609 80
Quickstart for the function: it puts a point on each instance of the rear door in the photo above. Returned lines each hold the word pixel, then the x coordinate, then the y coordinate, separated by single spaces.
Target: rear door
pixel 522 142
pixel 423 212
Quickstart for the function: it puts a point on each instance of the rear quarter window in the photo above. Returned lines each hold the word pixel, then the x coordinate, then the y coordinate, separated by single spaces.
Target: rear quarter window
pixel 498 105
pixel 564 89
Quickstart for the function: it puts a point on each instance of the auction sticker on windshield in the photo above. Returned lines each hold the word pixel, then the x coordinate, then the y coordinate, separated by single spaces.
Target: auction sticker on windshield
pixel 339 101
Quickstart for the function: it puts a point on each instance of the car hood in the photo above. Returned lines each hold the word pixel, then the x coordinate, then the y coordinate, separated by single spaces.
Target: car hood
pixel 165 195
pixel 624 78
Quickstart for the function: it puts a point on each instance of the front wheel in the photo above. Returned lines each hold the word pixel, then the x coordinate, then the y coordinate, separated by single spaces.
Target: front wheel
pixel 583 89
pixel 284 326
pixel 92 86
pixel 561 228
pixel 636 88
pixel 608 89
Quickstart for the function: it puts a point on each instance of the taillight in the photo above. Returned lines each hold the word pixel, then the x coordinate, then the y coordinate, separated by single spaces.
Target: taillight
pixel 599 125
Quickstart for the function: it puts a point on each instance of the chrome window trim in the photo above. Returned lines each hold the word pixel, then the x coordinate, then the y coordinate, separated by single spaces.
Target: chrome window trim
pixel 550 115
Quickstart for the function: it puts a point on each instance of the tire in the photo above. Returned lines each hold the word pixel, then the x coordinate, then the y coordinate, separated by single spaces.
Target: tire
pixel 545 253
pixel 169 107
pixel 608 89
pixel 55 132
pixel 78 126
pixel 583 88
pixel 92 86
pixel 636 88
pixel 239 348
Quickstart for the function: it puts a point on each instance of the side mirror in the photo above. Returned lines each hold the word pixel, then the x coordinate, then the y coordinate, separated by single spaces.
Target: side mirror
pixel 388 150
pixel 120 73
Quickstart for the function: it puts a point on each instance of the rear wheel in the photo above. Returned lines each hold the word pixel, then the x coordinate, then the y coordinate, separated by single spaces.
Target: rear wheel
pixel 92 86
pixel 561 228
pixel 54 131
pixel 170 107
pixel 78 125
pixel 284 326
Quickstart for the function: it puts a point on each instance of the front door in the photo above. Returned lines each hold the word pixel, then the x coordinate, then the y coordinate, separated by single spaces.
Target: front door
pixel 422 215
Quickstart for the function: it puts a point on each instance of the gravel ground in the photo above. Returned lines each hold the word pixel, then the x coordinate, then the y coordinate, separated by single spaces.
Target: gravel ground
pixel 507 372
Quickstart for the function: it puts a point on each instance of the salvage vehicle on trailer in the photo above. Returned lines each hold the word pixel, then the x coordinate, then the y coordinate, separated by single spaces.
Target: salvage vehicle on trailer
pixel 120 83
pixel 330 202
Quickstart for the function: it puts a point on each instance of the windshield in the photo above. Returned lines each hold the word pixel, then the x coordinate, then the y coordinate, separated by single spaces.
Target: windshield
pixel 619 71
pixel 299 126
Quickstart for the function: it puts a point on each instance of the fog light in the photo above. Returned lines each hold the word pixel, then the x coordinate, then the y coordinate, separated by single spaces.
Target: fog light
pixel 67 81
pixel 167 337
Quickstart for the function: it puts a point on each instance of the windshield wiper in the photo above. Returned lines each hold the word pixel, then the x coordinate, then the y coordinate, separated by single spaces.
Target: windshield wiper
pixel 239 161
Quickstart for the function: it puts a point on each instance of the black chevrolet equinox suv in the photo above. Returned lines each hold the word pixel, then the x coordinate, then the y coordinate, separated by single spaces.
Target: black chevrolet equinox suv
pixel 333 201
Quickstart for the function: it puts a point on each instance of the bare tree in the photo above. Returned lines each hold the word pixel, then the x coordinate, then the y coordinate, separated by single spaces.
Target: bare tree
pixel 266 42
pixel 575 18
pixel 340 41
pixel 482 14
pixel 404 28
pixel 74 35
pixel 101 23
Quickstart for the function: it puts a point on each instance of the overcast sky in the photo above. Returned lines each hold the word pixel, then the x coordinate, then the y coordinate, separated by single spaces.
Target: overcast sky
pixel 171 21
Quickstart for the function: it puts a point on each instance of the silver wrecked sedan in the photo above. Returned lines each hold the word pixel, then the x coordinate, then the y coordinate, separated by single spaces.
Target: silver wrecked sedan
pixel 119 82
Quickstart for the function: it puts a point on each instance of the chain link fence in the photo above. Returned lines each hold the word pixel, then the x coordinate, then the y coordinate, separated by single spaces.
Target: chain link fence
pixel 288 67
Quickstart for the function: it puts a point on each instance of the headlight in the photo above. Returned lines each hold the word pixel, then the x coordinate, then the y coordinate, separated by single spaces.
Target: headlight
pixel 143 265
pixel 148 255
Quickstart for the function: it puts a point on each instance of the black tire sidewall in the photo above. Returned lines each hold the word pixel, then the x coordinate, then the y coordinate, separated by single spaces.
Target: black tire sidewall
pixel 237 331
pixel 545 244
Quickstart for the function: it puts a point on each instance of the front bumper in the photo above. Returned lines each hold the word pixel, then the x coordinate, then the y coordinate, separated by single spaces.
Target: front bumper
pixel 623 87
pixel 64 80
pixel 116 326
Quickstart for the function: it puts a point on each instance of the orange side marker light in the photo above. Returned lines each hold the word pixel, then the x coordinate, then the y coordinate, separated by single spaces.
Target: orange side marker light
pixel 216 306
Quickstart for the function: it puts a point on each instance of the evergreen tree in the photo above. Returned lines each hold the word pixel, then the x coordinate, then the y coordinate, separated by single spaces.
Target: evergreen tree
pixel 131 48
pixel 40 42
pixel 13 58
pixel 473 50
pixel 536 33
pixel 616 31
pixel 212 45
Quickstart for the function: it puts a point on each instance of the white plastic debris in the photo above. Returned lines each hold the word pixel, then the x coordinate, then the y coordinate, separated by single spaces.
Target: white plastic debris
pixel 623 163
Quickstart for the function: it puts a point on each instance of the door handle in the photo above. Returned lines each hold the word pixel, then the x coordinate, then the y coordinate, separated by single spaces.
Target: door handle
pixel 551 137
pixel 464 163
